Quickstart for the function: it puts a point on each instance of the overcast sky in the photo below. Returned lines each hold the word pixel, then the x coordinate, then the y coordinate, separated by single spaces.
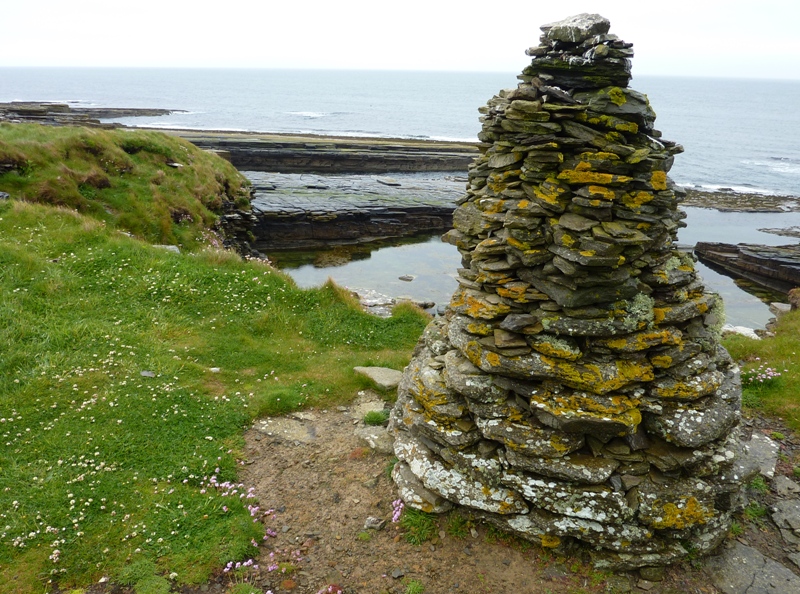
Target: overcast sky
pixel 731 38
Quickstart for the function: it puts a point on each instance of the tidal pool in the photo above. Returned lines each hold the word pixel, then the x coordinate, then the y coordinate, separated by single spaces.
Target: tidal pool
pixel 432 264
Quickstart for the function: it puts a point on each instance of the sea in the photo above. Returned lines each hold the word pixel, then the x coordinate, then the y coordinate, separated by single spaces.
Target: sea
pixel 738 134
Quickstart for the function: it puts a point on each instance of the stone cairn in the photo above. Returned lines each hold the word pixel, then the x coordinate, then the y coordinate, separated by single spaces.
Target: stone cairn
pixel 575 393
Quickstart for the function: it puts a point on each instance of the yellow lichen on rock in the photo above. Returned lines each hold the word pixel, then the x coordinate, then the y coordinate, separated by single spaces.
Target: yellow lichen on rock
pixel 617 96
pixel 636 199
pixel 580 176
pixel 659 180
pixel 641 341
pixel 470 303
pixel 679 517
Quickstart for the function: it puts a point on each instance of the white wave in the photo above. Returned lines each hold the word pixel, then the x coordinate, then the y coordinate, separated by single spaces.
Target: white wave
pixel 168 126
pixel 777 165
pixel 312 115
pixel 731 189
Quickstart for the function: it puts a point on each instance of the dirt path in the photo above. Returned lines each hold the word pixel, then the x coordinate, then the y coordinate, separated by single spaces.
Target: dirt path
pixel 323 483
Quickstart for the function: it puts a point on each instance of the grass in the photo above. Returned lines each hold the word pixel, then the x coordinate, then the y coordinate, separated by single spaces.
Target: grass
pixel 770 373
pixel 122 177
pixel 755 512
pixel 376 418
pixel 127 376
pixel 419 526
pixel 458 525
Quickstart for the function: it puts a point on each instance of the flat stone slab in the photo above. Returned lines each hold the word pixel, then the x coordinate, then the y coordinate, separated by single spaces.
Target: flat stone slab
pixel 765 451
pixel 293 193
pixel 776 267
pixel 385 378
pixel 367 401
pixel 294 430
pixel 785 487
pixel 377 438
pixel 743 570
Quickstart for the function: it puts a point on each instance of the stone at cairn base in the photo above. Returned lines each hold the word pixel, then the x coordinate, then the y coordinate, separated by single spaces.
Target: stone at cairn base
pixel 575 393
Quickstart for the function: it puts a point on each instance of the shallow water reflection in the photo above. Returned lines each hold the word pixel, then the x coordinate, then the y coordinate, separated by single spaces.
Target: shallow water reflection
pixel 433 264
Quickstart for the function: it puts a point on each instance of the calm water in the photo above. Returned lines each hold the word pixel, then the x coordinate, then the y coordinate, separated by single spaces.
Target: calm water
pixel 434 264
pixel 738 134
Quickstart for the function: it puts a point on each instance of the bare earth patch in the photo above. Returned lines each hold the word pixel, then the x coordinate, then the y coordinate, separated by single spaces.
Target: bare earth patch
pixel 323 483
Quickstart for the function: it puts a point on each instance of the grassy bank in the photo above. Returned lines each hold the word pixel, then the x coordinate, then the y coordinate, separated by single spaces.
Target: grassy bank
pixel 128 373
pixel 770 371
pixel 157 187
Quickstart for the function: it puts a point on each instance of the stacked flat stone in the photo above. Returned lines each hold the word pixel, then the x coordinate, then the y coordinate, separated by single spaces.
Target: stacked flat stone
pixel 575 393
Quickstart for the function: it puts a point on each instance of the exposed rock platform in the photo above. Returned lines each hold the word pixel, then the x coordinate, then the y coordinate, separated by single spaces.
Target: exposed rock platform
pixel 63 114
pixel 775 267
pixel 296 211
pixel 305 153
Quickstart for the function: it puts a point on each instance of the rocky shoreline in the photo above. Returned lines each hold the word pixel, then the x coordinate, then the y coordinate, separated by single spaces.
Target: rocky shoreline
pixel 308 153
pixel 63 114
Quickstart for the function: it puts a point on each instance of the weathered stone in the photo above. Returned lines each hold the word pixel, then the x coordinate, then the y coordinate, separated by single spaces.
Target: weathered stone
pixel 385 378
pixel 675 504
pixel 784 486
pixel 415 494
pixel 578 468
pixel 623 102
pixel 577 28
pixel 743 570
pixel 528 439
pixel 765 452
pixel 377 438
pixel 594 503
pixel 454 485
pixel 786 514
pixel 699 422
pixel 577 365
pixel 463 377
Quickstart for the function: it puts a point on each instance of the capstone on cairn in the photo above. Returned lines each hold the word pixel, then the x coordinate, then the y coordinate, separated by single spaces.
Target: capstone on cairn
pixel 575 393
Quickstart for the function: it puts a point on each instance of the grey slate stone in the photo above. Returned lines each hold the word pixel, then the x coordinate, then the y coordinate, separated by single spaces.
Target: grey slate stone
pixel 377 438
pixel 385 378
pixel 765 451
pixel 743 570
pixel 577 28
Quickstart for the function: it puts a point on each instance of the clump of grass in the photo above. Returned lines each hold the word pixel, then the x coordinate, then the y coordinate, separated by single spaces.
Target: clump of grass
pixel 391 463
pixel 419 526
pixel 376 417
pixel 84 311
pixel 458 525
pixel 414 587
pixel 759 484
pixel 245 589
pixel 754 512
